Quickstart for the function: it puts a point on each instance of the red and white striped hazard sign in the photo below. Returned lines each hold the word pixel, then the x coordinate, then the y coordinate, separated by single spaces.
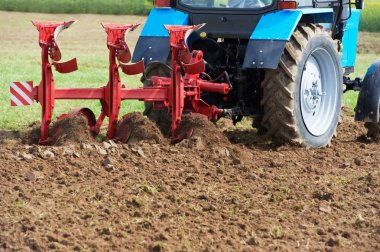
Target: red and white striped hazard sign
pixel 22 93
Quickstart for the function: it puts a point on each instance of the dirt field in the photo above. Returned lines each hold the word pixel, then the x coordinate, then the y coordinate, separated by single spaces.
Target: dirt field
pixel 225 189
pixel 236 192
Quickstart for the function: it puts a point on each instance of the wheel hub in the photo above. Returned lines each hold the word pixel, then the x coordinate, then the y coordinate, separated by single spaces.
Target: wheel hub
pixel 313 94
pixel 318 93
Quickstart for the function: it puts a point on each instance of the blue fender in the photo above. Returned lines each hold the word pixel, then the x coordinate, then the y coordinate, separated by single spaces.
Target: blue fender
pixel 268 40
pixel 367 107
pixel 153 43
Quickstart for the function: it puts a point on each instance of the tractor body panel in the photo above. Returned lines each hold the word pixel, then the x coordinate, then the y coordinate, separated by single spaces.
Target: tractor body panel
pixel 158 17
pixel 153 43
pixel 277 25
pixel 350 39
pixel 268 40
pixel 227 25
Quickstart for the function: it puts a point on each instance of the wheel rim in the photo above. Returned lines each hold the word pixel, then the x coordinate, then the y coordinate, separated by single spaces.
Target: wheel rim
pixel 319 94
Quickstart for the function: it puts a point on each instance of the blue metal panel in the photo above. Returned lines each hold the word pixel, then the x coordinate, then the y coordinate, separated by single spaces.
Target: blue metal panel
pixel 263 53
pixel 350 40
pixel 280 25
pixel 273 31
pixel 159 17
pixel 323 17
pixel 277 25
pixel 151 48
pixel 306 11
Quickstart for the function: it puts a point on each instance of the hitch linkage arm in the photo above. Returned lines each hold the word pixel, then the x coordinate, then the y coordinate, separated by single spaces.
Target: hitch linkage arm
pixel 355 85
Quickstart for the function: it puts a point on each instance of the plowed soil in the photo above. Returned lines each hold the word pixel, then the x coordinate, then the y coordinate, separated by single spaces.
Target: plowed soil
pixel 135 128
pixel 69 130
pixel 237 193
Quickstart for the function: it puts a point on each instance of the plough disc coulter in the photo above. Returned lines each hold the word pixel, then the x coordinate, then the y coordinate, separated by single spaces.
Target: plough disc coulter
pixel 178 93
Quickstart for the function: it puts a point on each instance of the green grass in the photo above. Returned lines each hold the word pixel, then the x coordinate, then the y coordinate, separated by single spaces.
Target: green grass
pixel 117 7
pixel 363 61
pixel 86 40
pixel 370 17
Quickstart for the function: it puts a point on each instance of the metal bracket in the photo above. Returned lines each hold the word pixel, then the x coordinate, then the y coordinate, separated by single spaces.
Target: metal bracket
pixel 355 85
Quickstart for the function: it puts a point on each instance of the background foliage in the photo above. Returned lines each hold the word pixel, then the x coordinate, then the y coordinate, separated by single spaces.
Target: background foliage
pixel 370 20
pixel 118 7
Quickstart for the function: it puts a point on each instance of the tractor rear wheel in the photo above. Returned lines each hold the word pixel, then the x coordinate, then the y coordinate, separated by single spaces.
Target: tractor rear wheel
pixel 159 116
pixel 302 98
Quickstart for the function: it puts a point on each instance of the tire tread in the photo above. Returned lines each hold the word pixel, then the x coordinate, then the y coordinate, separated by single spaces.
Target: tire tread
pixel 279 87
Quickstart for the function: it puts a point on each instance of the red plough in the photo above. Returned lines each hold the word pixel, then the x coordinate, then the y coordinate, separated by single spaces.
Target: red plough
pixel 182 91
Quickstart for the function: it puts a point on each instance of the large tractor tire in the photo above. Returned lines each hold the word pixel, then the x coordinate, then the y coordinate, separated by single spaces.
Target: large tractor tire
pixel 302 98
pixel 159 116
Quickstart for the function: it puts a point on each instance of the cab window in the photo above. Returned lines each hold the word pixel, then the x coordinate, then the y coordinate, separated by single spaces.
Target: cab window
pixel 242 4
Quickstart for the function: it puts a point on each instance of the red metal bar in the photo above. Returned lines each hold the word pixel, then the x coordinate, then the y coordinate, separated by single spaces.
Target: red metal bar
pixel 220 88
pixel 158 94
pixel 112 99
pixel 145 94
pixel 160 81
pixel 46 95
pixel 79 93
pixel 99 122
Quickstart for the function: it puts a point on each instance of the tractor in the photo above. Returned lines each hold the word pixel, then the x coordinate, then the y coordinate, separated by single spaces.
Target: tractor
pixel 281 62
pixel 286 61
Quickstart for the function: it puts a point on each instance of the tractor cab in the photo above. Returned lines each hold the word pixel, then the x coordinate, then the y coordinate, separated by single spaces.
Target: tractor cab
pixel 223 4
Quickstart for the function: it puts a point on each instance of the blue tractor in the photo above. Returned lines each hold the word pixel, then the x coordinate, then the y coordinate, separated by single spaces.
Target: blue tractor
pixel 286 61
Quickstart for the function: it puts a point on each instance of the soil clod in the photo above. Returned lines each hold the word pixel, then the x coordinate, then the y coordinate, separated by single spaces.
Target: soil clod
pixel 204 131
pixel 71 129
pixel 135 128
